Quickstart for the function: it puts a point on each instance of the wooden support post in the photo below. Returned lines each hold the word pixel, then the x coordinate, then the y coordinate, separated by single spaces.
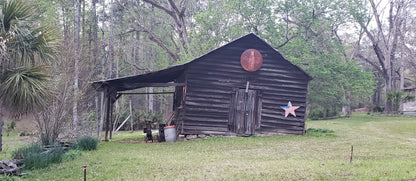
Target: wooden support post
pixel 107 119
pixel 111 118
pixel 352 151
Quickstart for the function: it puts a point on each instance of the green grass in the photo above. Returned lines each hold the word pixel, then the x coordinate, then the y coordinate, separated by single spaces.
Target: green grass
pixel 12 143
pixel 384 149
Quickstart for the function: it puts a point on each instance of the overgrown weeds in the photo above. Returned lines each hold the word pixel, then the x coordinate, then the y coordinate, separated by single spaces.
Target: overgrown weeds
pixel 35 157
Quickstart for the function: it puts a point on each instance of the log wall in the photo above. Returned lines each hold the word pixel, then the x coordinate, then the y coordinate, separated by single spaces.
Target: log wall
pixel 212 79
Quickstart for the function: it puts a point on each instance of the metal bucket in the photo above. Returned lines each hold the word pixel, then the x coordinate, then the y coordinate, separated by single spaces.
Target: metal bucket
pixel 170 133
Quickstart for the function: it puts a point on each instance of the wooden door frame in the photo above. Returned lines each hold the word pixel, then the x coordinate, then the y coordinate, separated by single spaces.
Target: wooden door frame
pixel 232 121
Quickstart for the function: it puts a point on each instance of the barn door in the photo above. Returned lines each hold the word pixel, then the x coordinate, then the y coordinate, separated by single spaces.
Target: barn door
pixel 244 112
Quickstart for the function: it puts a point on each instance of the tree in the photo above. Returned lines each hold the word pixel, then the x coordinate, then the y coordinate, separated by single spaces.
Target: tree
pixel 24 45
pixel 76 65
pixel 316 46
pixel 306 32
pixel 386 38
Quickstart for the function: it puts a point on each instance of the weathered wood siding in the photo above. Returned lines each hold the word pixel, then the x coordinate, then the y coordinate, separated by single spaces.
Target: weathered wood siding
pixel 212 79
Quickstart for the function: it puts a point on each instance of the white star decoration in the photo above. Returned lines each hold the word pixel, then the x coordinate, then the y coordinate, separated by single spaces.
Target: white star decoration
pixel 289 109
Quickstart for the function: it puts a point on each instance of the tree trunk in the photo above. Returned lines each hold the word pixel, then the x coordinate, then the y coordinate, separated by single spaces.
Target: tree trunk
pixel 76 66
pixel 136 56
pixel 137 52
pixel 111 43
pixel 95 60
pixel 1 127
pixel 101 122
pixel 82 19
pixel 103 54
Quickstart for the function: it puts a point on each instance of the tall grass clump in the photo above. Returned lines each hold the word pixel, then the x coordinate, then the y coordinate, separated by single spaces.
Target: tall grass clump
pixel 34 157
pixel 7 178
pixel 87 143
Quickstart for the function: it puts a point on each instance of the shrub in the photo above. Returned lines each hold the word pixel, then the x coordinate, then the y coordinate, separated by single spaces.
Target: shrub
pixel 315 114
pixel 87 143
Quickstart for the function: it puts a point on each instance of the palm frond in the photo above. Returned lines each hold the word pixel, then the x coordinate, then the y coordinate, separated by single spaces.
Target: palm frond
pixel 26 42
pixel 24 89
pixel 15 10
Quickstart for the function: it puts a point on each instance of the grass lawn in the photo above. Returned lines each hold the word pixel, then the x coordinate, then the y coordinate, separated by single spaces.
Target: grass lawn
pixel 12 142
pixel 384 149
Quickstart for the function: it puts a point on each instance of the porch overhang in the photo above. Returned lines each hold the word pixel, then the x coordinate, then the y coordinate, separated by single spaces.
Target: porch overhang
pixel 160 78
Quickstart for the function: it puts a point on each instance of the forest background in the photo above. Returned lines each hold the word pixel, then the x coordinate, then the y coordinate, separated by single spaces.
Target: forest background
pixel 360 52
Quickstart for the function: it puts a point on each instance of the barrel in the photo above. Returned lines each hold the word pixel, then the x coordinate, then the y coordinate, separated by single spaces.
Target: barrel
pixel 170 133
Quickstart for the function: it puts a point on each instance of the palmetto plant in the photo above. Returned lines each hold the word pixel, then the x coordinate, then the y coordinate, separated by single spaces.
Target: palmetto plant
pixel 23 46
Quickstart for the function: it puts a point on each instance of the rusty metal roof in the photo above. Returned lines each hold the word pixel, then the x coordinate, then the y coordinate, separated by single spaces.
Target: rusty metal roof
pixel 142 80
pixel 169 74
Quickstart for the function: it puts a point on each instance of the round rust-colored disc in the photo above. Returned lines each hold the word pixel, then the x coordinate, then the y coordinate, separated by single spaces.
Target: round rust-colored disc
pixel 251 60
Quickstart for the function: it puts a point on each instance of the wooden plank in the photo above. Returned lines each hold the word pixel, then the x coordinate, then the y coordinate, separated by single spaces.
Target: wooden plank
pixel 250 111
pixel 206 94
pixel 139 93
pixel 205 128
pixel 259 112
pixel 153 85
pixel 279 123
pixel 211 100
pixel 284 126
pixel 266 116
pixel 205 120
pixel 281 131
pixel 214 115
pixel 287 87
pixel 187 131
pixel 202 109
pixel 209 105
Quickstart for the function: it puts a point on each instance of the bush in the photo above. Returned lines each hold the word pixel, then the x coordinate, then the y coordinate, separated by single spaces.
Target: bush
pixel 87 143
pixel 34 157
pixel 315 114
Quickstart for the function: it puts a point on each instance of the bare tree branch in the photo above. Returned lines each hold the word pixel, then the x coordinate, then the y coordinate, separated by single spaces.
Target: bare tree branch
pixel 375 66
pixel 158 41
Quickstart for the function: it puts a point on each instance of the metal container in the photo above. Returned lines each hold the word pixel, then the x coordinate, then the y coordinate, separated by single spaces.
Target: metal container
pixel 170 133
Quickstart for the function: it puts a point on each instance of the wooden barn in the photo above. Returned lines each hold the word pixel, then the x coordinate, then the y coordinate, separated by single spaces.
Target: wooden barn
pixel 243 88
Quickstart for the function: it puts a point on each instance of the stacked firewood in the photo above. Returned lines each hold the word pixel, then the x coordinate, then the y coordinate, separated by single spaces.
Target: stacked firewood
pixel 11 167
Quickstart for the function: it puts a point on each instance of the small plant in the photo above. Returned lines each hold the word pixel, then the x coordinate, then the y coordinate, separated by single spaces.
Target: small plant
pixel 87 143
pixel 10 127
pixel 397 97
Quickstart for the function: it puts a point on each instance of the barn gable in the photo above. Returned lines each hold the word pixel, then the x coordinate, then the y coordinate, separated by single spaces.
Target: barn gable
pixel 251 41
pixel 220 93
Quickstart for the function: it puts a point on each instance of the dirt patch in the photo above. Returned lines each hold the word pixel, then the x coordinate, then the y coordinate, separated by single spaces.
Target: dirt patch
pixel 25 123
